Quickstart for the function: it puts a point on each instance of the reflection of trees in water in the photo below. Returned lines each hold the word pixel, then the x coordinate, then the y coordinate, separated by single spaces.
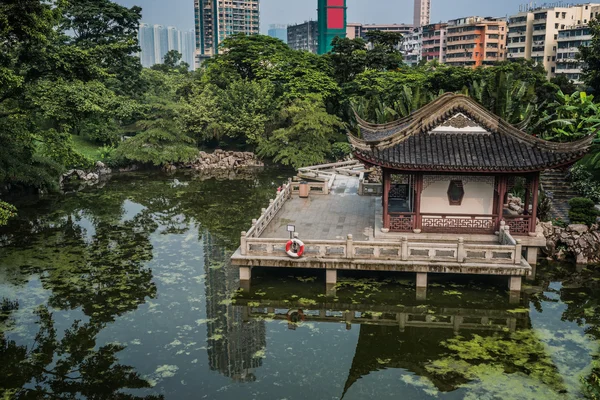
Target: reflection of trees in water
pixel 232 343
pixel 580 293
pixel 67 367
pixel 103 275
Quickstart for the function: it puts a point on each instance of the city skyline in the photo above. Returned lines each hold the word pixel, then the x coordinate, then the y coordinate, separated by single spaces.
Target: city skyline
pixel 180 13
pixel 156 40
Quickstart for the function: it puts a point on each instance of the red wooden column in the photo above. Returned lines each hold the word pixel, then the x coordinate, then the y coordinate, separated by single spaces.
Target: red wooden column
pixel 502 184
pixel 528 189
pixel 536 188
pixel 418 190
pixel 386 197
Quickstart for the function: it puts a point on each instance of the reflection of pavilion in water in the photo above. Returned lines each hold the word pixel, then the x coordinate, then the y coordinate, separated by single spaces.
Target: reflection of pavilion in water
pixel 232 342
pixel 406 337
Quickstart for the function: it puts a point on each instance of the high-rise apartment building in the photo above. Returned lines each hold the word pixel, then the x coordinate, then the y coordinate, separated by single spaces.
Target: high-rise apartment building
pixel 146 41
pixel 433 42
pixel 534 32
pixel 354 30
pixel 304 36
pixel 218 19
pixel 332 22
pixel 568 43
pixel 156 40
pixel 422 14
pixel 411 47
pixel 278 32
pixel 476 41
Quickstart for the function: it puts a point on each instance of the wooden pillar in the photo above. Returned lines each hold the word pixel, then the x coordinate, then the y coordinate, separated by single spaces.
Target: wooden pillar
pixel 418 191
pixel 528 185
pixel 502 184
pixel 536 188
pixel 386 197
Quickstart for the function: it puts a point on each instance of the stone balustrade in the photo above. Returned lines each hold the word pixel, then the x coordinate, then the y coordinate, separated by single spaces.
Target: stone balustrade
pixel 405 250
pixel 267 215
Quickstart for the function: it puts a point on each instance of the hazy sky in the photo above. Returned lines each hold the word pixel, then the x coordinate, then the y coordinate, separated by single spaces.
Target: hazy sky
pixel 180 13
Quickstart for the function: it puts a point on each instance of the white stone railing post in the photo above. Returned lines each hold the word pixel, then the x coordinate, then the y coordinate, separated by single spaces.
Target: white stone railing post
pixel 518 252
pixel 460 250
pixel 349 247
pixel 243 244
pixel 404 249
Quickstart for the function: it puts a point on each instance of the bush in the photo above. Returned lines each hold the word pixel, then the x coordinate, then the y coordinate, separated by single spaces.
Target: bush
pixel 7 211
pixel 340 150
pixel 583 211
pixel 584 183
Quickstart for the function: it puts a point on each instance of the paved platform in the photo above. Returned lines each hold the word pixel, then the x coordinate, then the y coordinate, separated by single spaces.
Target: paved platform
pixel 330 217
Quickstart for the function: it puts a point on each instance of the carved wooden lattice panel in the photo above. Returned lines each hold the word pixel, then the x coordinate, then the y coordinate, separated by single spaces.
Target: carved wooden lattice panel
pixel 518 226
pixel 401 223
pixel 457 224
pixel 399 192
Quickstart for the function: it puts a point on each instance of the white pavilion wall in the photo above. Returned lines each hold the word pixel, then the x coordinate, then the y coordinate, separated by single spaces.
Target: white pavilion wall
pixel 478 198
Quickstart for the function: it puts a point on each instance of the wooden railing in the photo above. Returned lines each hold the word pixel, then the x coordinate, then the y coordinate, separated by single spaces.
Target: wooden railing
pixel 519 224
pixel 404 250
pixel 401 222
pixel 267 215
pixel 449 223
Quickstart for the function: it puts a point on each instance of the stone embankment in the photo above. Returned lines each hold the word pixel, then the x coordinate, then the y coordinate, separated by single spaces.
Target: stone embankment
pixel 219 160
pixel 575 240
pixel 90 177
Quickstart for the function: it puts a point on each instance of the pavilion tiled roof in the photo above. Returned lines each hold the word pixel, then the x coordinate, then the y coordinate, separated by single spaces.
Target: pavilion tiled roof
pixel 456 134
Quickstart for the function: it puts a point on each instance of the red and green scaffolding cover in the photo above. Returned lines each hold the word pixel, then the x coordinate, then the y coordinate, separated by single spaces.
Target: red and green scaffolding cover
pixel 332 22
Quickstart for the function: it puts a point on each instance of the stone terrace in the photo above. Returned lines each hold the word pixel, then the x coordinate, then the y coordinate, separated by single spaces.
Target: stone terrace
pixel 329 217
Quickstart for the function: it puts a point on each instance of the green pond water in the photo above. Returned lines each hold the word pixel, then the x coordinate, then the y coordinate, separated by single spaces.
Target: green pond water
pixel 125 291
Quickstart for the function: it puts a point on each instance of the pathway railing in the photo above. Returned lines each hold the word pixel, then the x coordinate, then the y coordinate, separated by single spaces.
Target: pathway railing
pixel 267 215
pixel 404 250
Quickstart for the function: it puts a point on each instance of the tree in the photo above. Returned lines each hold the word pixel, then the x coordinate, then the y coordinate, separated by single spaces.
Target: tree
pixel 107 32
pixel 172 62
pixel 161 140
pixel 590 55
pixel 348 58
pixel 305 135
pixel 200 115
pixel 385 54
pixel 246 109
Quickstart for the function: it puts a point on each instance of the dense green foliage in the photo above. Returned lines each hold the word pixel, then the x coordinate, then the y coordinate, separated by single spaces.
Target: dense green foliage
pixel 582 211
pixel 584 183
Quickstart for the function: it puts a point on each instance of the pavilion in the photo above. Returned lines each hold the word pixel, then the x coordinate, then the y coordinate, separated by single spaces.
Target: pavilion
pixel 448 168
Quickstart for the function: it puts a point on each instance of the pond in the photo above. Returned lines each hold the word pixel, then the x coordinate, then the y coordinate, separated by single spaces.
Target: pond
pixel 125 291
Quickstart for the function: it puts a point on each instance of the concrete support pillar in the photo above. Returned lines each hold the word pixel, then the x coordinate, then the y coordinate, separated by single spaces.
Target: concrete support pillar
pixel 514 297
pixel 331 276
pixel 401 318
pixel 245 273
pixel 422 280
pixel 456 323
pixel 421 294
pixel 514 283
pixel 532 253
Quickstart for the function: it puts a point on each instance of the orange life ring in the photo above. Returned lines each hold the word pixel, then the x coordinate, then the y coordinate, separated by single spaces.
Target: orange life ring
pixel 289 249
